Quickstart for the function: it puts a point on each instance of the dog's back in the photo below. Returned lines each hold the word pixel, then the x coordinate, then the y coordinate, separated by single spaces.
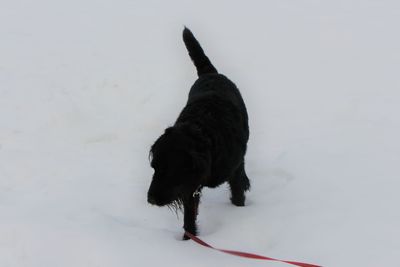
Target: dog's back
pixel 210 82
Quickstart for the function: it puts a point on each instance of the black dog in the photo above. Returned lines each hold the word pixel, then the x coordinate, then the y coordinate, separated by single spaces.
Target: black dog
pixel 206 145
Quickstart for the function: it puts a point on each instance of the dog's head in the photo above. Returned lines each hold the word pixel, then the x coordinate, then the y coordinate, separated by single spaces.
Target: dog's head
pixel 179 167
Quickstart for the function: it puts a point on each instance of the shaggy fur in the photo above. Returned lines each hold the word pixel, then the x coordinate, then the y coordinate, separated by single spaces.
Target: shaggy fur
pixel 205 146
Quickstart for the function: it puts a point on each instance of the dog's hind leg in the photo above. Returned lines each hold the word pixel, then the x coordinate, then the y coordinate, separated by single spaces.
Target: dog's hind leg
pixel 239 183
pixel 190 206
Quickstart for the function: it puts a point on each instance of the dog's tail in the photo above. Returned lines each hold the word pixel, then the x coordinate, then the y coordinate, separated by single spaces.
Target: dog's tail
pixel 196 53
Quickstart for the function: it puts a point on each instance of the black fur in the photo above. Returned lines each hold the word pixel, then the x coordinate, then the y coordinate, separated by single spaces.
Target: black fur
pixel 206 145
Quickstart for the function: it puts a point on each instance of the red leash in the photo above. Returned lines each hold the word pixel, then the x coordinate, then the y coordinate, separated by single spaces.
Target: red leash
pixel 247 255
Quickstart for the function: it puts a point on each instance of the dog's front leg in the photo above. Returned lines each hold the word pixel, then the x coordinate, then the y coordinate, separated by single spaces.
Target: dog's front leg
pixel 190 206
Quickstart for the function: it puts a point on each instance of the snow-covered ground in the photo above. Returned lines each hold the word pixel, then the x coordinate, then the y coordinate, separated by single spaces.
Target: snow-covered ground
pixel 87 86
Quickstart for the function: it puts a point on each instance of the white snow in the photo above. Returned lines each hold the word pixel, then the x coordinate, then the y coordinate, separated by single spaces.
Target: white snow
pixel 87 86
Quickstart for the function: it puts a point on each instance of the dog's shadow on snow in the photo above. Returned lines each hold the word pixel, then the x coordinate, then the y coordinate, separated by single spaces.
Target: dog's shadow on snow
pixel 217 212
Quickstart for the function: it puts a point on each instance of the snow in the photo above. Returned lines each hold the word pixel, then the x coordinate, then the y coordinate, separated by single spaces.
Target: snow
pixel 87 86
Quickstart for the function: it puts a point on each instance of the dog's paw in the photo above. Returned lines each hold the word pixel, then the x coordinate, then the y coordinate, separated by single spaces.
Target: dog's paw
pixel 192 232
pixel 238 201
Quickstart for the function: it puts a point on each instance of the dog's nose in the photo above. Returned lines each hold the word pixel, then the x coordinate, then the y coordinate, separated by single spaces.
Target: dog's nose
pixel 151 200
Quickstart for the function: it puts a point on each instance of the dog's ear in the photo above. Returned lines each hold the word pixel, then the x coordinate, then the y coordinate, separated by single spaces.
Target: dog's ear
pixel 155 147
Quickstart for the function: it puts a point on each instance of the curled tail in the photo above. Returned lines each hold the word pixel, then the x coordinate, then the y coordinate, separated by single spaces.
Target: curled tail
pixel 196 53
